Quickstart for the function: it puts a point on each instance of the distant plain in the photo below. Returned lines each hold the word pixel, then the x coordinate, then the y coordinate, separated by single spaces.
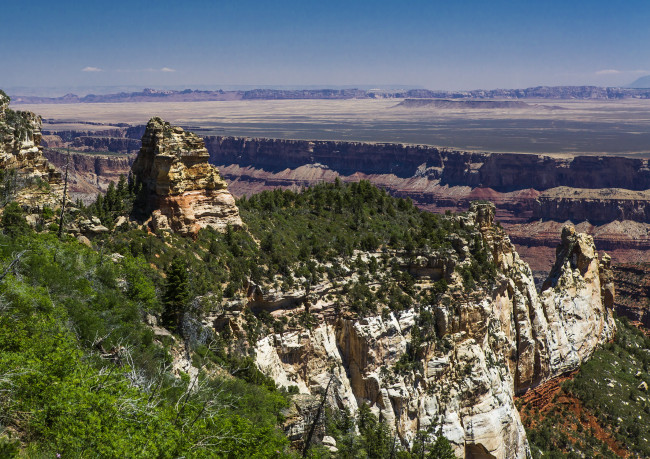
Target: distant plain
pixel 545 126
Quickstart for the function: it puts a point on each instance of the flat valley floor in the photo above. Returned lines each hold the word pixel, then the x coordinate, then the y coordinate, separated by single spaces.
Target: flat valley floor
pixel 555 127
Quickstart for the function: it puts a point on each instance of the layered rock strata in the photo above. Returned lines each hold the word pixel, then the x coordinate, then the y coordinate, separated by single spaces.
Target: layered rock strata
pixel 502 172
pixel 27 176
pixel 632 292
pixel 90 174
pixel 491 345
pixel 598 206
pixel 535 195
pixel 180 190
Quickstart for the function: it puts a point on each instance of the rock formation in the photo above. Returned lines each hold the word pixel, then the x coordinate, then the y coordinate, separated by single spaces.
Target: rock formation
pixel 180 190
pixel 27 176
pixel 491 344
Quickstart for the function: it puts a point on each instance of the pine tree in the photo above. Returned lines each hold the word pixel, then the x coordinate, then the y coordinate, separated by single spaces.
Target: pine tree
pixel 122 188
pixel 176 294
pixel 111 199
pixel 13 220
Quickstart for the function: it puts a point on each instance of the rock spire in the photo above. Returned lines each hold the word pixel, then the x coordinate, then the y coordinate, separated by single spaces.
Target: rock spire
pixel 180 190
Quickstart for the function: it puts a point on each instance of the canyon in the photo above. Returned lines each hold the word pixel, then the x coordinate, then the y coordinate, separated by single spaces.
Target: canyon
pixel 482 343
pixel 535 195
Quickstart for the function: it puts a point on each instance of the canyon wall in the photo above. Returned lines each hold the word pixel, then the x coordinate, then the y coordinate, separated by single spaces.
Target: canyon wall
pixel 501 172
pixel 491 344
pixel 118 139
pixel 90 174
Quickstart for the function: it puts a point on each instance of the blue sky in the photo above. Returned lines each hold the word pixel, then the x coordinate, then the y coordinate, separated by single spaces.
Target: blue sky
pixel 461 44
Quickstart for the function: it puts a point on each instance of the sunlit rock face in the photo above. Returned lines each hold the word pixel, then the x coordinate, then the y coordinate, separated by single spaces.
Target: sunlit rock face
pixel 27 177
pixel 491 345
pixel 180 190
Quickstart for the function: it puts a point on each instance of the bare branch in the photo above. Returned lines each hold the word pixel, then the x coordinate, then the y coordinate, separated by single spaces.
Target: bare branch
pixel 15 260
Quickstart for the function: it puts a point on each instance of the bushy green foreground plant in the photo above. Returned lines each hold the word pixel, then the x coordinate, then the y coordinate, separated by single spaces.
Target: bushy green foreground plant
pixel 81 376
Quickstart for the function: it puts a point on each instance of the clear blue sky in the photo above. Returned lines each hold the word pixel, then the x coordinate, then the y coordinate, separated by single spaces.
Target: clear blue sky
pixel 460 44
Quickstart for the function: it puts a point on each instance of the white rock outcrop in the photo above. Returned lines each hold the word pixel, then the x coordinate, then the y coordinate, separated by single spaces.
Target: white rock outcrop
pixel 488 348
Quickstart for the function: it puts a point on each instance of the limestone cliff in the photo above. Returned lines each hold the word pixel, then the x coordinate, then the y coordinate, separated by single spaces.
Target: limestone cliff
pixel 180 190
pixel 27 176
pixel 491 342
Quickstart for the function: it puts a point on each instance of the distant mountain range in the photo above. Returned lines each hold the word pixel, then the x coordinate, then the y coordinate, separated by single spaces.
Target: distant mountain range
pixel 191 95
pixel 643 82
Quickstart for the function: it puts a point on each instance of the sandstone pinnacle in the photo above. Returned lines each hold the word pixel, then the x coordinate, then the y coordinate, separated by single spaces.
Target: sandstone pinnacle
pixel 180 191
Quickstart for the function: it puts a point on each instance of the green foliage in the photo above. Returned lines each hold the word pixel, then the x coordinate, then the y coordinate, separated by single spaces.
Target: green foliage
pixel 431 445
pixel 80 374
pixel 13 220
pixel 329 221
pixel 608 383
pixel 117 201
pixel 9 447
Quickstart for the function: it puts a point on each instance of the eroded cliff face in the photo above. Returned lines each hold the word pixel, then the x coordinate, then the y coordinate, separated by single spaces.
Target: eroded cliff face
pixel 491 343
pixel 90 174
pixel 502 172
pixel 27 178
pixel 180 190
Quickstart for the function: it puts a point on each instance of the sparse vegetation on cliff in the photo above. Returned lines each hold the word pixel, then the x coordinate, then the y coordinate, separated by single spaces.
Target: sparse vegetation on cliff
pixel 604 409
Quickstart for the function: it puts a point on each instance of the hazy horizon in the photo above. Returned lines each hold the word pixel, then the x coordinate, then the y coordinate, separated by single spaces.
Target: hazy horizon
pixel 433 45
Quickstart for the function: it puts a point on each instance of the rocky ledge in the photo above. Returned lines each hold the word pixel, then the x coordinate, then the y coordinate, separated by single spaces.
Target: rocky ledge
pixel 180 191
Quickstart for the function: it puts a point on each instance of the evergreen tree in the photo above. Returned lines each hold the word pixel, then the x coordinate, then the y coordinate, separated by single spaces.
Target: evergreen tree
pixel 111 200
pixel 13 221
pixel 441 449
pixel 376 438
pixel 176 294
pixel 122 188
